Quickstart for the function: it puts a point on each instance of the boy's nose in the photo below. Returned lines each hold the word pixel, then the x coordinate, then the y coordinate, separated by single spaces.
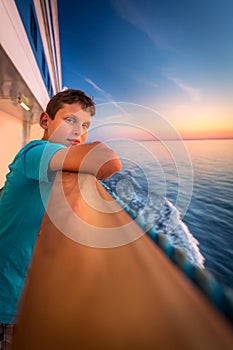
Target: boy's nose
pixel 77 131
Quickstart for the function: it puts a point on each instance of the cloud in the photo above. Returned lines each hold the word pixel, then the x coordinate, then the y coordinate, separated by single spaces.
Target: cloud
pixel 101 91
pixel 96 87
pixel 132 13
pixel 193 93
pixel 104 94
pixel 145 81
pixel 142 79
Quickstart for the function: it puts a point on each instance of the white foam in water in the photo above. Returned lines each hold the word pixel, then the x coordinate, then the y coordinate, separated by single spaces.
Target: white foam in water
pixel 156 211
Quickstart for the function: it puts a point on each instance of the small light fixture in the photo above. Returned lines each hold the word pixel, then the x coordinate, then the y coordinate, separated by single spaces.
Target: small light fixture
pixel 22 104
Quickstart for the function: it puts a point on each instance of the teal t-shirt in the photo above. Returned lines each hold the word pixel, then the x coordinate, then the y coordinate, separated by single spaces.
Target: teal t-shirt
pixel 21 212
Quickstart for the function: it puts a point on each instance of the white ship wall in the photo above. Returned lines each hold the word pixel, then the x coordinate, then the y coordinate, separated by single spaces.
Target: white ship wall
pixel 11 142
pixel 15 44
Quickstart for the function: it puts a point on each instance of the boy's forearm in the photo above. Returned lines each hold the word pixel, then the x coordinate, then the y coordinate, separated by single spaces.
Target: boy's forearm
pixel 95 158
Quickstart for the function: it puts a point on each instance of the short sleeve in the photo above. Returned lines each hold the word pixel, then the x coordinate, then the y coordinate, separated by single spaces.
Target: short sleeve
pixel 36 158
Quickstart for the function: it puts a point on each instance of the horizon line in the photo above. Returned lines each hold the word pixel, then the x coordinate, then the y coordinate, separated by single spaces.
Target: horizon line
pixel 191 139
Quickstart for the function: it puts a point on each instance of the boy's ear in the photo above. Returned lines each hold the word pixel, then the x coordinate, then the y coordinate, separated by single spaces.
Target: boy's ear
pixel 44 120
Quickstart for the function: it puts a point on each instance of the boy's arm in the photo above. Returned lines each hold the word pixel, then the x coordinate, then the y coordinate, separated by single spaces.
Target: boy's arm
pixel 95 158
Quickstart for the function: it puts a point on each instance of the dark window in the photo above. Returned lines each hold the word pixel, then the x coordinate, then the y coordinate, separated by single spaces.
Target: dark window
pixel 33 27
pixel 43 63
pixel 49 86
pixel 48 82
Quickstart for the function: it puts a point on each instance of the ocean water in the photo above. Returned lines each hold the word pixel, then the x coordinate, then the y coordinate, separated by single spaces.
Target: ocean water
pixel 183 189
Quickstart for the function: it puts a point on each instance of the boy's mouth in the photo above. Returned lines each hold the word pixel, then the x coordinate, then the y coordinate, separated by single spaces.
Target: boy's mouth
pixel 74 142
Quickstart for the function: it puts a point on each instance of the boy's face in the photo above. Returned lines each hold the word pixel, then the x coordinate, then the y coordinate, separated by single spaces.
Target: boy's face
pixel 69 127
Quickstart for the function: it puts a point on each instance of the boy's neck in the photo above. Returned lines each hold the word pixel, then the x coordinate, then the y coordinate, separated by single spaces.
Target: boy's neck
pixel 45 137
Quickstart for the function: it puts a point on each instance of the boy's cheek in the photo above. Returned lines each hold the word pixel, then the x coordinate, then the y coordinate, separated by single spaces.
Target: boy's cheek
pixel 84 137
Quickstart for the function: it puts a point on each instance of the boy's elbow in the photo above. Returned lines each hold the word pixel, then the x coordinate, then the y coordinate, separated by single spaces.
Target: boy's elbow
pixel 112 167
pixel 117 164
pixel 109 168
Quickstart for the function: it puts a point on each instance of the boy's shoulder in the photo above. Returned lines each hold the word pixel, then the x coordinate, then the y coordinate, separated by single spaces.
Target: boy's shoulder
pixel 34 143
pixel 32 161
pixel 29 145
pixel 40 146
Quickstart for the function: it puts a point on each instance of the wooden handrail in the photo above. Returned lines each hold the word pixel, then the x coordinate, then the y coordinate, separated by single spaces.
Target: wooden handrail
pixel 89 292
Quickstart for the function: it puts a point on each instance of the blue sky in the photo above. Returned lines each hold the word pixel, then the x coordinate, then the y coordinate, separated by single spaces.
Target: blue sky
pixel 175 57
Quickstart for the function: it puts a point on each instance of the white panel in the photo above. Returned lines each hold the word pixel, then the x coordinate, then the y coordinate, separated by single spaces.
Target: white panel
pixel 44 38
pixel 56 81
pixel 14 40
pixel 57 38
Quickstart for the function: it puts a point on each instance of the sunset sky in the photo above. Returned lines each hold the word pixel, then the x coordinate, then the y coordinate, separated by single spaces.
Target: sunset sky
pixel 171 60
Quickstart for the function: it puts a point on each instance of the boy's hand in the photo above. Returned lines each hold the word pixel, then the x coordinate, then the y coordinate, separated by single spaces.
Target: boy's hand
pixel 95 158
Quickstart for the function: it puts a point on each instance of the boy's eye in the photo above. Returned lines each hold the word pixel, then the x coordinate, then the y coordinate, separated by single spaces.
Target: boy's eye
pixel 70 120
pixel 86 125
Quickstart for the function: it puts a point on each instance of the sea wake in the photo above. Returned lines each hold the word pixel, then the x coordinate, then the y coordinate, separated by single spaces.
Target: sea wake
pixel 156 211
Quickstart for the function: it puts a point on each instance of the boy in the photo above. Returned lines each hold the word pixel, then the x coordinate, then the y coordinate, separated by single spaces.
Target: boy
pixel 65 123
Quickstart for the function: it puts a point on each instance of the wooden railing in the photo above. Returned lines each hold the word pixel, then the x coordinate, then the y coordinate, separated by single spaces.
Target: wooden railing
pixel 98 282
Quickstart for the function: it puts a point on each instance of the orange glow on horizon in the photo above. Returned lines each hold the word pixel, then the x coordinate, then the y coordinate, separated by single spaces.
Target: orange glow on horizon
pixel 208 134
pixel 185 132
pixel 209 119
